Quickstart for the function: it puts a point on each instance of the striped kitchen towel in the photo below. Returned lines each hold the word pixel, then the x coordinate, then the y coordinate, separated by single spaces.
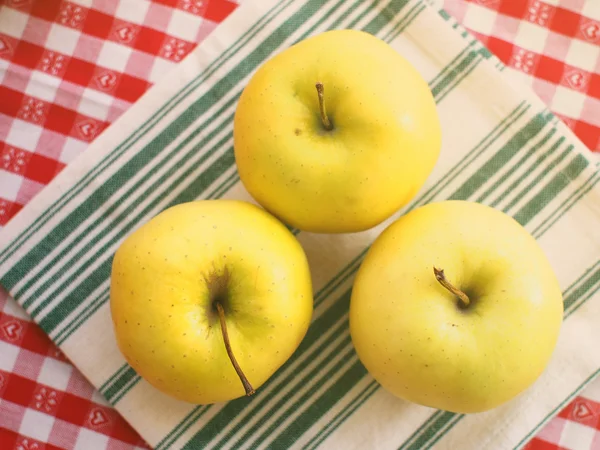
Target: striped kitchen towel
pixel 501 147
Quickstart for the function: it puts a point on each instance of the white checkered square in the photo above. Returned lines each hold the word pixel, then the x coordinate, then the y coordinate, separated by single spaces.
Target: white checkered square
pixel 531 37
pixel 55 374
pixel 36 425
pixel 184 25
pixel 583 55
pixel 132 11
pixel 568 102
pixel 480 19
pixel 62 39
pixel 159 69
pixel 9 353
pixel 71 150
pixel 577 436
pixel 95 104
pixel 12 22
pixel 42 86
pixel 589 9
pixel 88 439
pixel 10 184
pixel 24 135
pixel 114 56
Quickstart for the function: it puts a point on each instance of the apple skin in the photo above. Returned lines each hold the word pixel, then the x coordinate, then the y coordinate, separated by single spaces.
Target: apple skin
pixel 165 324
pixel 412 336
pixel 385 141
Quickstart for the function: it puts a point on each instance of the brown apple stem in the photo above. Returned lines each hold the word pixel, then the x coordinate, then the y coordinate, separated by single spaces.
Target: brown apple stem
pixel 439 275
pixel 321 92
pixel 247 386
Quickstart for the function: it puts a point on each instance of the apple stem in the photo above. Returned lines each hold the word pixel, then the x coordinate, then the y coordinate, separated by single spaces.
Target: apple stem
pixel 247 386
pixel 439 275
pixel 321 92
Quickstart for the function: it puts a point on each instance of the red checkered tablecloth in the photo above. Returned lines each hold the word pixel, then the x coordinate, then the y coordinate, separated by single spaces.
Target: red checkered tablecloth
pixel 70 68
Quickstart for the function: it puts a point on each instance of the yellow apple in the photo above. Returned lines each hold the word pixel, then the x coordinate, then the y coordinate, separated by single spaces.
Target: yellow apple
pixel 336 132
pixel 209 299
pixel 455 307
